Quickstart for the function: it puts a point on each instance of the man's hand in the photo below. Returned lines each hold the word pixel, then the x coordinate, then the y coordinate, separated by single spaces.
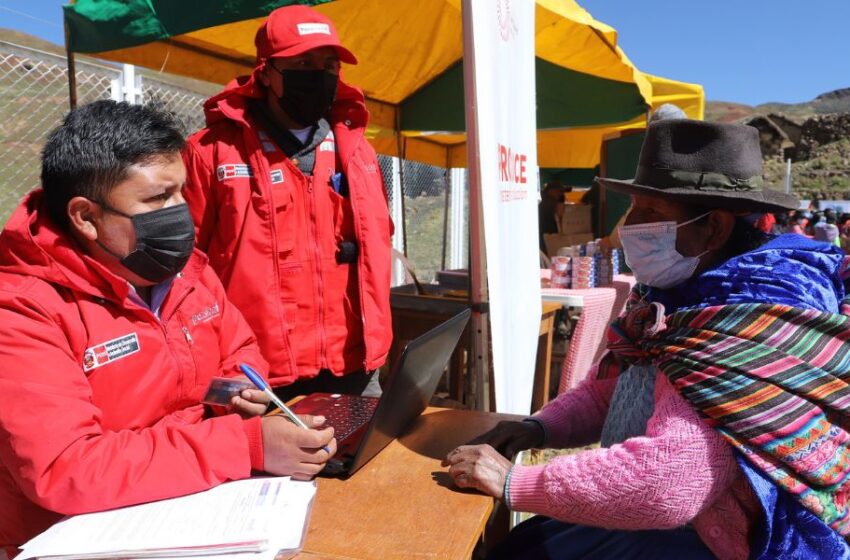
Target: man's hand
pixel 510 437
pixel 292 451
pixel 480 467
pixel 250 402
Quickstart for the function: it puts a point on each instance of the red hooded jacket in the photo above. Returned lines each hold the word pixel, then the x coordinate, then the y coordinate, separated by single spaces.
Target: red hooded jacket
pixel 272 237
pixel 99 398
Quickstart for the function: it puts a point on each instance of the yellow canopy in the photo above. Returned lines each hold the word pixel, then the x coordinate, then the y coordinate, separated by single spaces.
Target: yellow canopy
pixel 410 55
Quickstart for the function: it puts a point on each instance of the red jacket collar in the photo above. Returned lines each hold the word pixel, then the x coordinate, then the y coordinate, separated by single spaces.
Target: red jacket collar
pixel 32 244
pixel 349 108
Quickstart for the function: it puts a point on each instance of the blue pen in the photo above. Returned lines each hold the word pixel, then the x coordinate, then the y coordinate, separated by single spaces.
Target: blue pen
pixel 261 384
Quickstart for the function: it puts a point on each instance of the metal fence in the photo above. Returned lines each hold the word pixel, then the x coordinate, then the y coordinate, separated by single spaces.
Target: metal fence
pixel 33 100
pixel 428 202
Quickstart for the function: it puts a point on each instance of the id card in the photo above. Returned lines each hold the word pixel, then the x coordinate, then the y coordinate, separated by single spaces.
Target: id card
pixel 223 389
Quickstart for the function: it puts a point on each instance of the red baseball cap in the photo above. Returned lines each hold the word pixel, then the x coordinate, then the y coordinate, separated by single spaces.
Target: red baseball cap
pixel 292 30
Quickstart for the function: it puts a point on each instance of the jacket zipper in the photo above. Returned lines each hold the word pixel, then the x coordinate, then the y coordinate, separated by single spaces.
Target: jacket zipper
pixel 319 284
pixel 358 236
pixel 161 320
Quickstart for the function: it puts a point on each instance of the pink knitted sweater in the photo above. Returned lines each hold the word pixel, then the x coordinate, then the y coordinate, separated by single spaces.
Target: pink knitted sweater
pixel 680 472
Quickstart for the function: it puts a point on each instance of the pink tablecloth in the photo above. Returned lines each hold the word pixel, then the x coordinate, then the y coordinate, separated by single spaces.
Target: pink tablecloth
pixel 587 344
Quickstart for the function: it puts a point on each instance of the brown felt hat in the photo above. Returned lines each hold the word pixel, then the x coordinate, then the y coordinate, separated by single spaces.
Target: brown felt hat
pixel 705 164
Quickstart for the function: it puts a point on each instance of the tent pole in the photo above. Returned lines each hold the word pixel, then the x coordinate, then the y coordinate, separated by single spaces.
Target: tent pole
pixel 400 146
pixel 448 184
pixel 72 69
pixel 479 394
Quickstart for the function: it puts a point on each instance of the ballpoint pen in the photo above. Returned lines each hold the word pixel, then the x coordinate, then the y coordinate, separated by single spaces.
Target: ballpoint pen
pixel 261 384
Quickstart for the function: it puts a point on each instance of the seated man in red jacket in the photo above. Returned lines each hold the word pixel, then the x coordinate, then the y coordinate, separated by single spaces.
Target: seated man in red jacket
pixel 112 327
pixel 290 206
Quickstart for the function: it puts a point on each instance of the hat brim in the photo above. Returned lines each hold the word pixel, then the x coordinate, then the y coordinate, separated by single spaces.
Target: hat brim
pixel 766 200
pixel 345 55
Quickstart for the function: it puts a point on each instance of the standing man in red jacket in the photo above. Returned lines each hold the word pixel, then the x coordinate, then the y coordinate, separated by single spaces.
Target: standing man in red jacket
pixel 112 328
pixel 289 204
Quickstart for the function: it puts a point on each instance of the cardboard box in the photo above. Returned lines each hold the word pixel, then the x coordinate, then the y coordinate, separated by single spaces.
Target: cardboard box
pixel 576 218
pixel 555 241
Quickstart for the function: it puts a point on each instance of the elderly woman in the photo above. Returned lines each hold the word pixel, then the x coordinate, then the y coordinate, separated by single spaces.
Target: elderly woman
pixel 722 405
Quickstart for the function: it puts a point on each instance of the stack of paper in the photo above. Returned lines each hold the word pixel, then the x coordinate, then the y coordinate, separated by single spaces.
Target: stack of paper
pixel 254 518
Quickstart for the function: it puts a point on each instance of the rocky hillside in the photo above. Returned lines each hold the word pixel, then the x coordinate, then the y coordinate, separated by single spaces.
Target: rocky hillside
pixel 821 144
pixel 837 101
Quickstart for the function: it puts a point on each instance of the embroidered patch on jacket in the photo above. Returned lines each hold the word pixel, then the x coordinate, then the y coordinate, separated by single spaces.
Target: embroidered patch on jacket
pixel 206 314
pixel 371 168
pixel 233 171
pixel 276 176
pixel 314 28
pixel 110 351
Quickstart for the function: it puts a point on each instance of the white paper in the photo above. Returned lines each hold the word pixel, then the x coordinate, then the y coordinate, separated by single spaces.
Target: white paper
pixel 261 514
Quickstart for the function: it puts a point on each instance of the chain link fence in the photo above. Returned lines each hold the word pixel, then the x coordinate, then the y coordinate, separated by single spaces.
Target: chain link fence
pixel 34 99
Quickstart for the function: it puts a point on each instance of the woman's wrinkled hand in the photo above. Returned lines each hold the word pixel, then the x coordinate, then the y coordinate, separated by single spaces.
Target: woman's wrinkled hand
pixel 480 467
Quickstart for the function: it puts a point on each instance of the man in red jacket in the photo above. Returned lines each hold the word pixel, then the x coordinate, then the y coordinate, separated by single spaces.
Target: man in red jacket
pixel 112 328
pixel 289 204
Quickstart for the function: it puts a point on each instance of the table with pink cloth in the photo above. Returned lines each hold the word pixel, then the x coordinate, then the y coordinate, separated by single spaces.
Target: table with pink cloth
pixel 599 307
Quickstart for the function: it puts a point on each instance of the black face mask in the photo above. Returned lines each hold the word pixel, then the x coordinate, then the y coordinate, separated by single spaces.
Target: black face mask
pixel 165 239
pixel 307 94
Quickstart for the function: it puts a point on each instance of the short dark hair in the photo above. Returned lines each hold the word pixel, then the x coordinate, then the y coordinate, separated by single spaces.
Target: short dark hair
pixel 91 151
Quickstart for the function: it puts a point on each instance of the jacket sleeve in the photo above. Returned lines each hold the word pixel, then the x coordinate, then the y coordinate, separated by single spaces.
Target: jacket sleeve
pixel 658 481
pixel 199 194
pixel 576 417
pixel 60 455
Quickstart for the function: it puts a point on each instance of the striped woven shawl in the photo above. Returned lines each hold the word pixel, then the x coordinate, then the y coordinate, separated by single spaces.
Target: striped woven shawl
pixel 774 381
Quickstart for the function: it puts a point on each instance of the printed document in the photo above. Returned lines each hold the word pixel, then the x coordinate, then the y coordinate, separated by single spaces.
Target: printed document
pixel 258 515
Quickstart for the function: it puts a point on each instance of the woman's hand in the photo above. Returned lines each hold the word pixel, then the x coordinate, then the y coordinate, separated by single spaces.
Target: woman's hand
pixel 480 467
pixel 510 437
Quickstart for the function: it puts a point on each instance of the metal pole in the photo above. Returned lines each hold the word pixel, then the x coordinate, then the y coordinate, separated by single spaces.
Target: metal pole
pixel 398 220
pixel 788 177
pixel 72 70
pixel 458 258
pixel 400 145
pixel 448 184
pixel 480 360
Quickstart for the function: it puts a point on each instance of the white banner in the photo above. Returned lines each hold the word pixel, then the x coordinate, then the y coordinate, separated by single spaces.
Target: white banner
pixel 502 143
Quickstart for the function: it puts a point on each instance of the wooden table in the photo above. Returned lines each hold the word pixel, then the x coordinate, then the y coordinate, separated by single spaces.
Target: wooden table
pixel 543 368
pixel 402 503
pixel 414 315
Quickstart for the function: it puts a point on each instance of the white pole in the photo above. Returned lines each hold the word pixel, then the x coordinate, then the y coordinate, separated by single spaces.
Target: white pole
pixel 479 391
pixel 398 220
pixel 129 85
pixel 457 253
pixel 788 177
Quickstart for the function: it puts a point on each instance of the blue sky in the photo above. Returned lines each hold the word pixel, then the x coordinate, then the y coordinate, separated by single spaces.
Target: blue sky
pixel 748 51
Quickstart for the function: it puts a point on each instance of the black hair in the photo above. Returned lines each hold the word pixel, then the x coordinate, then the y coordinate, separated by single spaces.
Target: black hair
pixel 745 236
pixel 91 151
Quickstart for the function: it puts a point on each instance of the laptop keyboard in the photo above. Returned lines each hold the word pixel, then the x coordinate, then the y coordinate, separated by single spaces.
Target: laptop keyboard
pixel 346 413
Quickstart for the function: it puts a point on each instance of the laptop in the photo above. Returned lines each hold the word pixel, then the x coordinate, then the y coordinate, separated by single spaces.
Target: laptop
pixel 363 426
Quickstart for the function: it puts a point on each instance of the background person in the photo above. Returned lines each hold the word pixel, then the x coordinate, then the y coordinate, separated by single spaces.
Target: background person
pixel 550 209
pixel 695 460
pixel 112 330
pixel 290 205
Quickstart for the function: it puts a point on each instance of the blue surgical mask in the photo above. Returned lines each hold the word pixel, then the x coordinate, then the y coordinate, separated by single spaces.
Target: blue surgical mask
pixel 650 251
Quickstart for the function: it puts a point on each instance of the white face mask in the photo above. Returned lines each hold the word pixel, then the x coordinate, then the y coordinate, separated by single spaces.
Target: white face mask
pixel 650 251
